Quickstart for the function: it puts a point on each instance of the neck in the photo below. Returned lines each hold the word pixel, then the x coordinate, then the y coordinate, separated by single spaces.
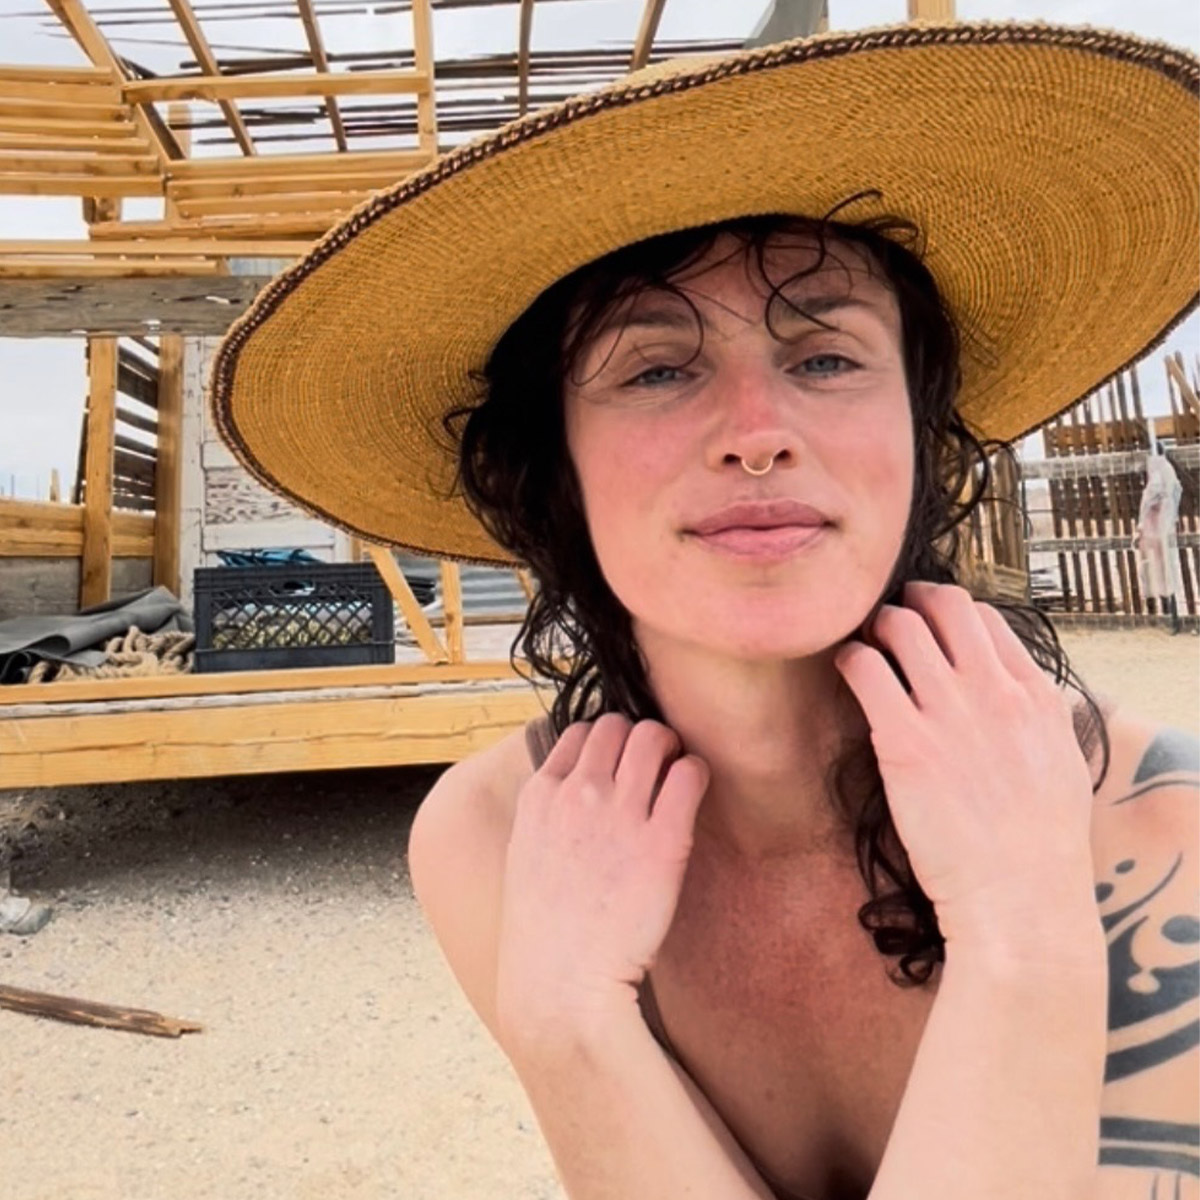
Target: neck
pixel 769 731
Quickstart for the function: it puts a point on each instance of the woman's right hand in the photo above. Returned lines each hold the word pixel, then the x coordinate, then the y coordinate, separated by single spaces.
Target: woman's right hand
pixel 594 867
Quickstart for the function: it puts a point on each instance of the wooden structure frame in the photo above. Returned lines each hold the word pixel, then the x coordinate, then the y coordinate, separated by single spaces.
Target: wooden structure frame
pixel 103 134
pixel 229 221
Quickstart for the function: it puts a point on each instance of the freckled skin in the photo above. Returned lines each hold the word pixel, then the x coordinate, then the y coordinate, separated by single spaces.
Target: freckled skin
pixel 651 457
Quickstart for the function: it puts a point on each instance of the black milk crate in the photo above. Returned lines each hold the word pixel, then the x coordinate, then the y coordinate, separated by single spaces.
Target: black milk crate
pixel 292 615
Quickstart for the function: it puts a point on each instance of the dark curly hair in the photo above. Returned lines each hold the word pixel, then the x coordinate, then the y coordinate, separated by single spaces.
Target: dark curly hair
pixel 517 477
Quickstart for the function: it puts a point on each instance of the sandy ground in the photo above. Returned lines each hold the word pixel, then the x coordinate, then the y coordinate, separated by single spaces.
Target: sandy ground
pixel 338 1059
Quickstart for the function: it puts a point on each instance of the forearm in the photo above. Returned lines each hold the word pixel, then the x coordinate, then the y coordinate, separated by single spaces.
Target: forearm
pixel 620 1120
pixel 1003 1100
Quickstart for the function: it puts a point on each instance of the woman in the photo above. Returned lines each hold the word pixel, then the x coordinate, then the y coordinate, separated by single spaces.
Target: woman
pixel 795 892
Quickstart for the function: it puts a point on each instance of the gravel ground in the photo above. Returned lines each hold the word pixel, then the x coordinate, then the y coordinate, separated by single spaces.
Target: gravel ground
pixel 337 1058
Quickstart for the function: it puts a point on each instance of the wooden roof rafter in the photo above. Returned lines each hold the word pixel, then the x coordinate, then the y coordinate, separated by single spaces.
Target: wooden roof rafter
pixel 524 37
pixel 651 15
pixel 204 55
pixel 103 133
pixel 75 20
pixel 320 59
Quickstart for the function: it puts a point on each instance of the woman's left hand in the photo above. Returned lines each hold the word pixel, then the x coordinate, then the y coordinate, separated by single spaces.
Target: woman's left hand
pixel 987 786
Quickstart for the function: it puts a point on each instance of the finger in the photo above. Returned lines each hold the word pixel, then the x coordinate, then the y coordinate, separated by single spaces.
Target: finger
pixel 882 697
pixel 673 817
pixel 906 636
pixel 649 750
pixel 564 754
pixel 1011 651
pixel 951 613
pixel 602 752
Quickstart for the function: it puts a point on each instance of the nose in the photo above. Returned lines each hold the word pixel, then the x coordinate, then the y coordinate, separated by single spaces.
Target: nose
pixel 752 432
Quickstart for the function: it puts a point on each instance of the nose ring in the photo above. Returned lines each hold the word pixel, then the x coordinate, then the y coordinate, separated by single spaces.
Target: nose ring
pixel 758 470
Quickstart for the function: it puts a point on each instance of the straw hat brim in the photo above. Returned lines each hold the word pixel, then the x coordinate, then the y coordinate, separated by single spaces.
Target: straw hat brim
pixel 1053 172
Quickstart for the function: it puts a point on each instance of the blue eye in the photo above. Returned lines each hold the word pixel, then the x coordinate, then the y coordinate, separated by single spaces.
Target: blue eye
pixel 653 375
pixel 827 358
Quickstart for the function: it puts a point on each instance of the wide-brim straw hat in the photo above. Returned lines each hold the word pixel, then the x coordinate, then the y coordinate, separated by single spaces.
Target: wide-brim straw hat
pixel 1053 171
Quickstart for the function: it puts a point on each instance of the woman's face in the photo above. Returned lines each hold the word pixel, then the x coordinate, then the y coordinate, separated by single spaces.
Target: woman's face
pixel 660 418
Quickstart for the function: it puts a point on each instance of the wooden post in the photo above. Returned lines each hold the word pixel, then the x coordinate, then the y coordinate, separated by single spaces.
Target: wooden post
pixel 422 17
pixel 418 622
pixel 168 472
pixel 931 10
pixel 452 608
pixel 96 563
pixel 168 475
pixel 526 580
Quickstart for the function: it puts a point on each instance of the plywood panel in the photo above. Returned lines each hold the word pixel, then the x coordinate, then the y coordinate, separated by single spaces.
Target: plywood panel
pixel 232 495
pixel 41 308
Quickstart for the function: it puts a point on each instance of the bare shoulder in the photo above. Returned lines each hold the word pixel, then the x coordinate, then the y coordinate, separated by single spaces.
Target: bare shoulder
pixel 1146 838
pixel 456 855
pixel 1152 778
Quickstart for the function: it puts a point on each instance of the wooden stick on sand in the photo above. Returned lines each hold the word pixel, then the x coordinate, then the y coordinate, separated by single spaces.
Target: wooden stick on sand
pixel 88 1012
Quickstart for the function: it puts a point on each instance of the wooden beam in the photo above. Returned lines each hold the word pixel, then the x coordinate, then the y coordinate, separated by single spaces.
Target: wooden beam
pixel 393 577
pixel 266 226
pixel 248 683
pixel 168 476
pixel 74 163
pixel 34 529
pixel 931 10
pixel 208 63
pixel 217 88
pixel 1176 372
pixel 73 128
pixel 282 202
pixel 48 110
pixel 452 607
pixel 651 15
pixel 126 416
pixel 74 75
pixel 104 93
pixel 296 735
pixel 28 184
pixel 75 20
pixel 422 17
pixel 44 141
pixel 279 165
pixel 124 268
pixel 96 568
pixel 524 36
pixel 316 47
pixel 125 306
pixel 163 247
pixel 275 185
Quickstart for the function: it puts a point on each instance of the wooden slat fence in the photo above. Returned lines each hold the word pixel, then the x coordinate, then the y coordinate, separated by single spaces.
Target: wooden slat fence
pixel 992 552
pixel 134 459
pixel 1082 502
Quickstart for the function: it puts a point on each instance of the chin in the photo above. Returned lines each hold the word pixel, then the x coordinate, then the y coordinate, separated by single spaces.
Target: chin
pixel 748 629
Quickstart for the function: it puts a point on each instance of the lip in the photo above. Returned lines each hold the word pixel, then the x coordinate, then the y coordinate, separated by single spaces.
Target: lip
pixel 759 516
pixel 761 545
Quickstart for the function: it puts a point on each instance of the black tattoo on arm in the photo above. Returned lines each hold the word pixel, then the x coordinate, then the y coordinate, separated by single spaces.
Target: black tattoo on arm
pixel 1152 1017
pixel 1172 759
pixel 1162 1144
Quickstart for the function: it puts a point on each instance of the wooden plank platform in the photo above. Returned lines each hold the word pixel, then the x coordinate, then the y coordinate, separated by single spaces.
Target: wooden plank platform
pixel 55 743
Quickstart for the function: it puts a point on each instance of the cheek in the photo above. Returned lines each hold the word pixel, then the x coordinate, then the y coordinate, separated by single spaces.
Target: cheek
pixel 621 478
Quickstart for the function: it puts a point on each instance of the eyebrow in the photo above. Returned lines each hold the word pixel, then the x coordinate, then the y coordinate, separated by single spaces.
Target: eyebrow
pixel 673 318
pixel 818 306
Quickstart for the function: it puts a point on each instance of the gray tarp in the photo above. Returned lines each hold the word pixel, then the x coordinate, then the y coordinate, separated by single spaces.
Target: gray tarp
pixel 25 640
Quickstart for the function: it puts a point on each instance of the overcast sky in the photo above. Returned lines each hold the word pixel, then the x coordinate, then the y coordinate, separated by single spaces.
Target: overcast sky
pixel 42 385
